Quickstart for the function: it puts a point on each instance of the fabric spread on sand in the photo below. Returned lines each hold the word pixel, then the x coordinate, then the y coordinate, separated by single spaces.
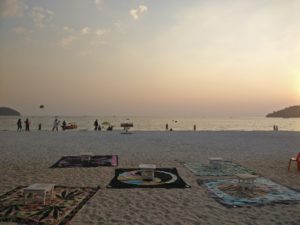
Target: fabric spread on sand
pixel 132 178
pixel 96 160
pixel 228 168
pixel 229 193
pixel 64 204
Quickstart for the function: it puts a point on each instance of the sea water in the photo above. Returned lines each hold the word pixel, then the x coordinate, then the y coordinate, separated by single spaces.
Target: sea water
pixel 158 123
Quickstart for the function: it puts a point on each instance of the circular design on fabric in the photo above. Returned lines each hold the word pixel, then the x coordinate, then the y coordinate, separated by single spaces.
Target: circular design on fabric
pixel 134 177
pixel 234 190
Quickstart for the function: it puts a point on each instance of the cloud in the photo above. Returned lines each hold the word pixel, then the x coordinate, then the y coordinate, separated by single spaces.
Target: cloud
pixel 100 32
pixel 85 31
pixel 9 8
pixel 134 14
pixel 41 16
pixel 138 12
pixel 66 41
pixel 142 9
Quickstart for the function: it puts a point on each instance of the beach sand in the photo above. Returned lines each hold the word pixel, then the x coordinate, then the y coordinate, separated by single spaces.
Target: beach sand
pixel 25 158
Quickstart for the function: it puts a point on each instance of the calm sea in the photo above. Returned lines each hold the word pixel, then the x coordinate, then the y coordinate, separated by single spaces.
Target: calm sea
pixel 159 123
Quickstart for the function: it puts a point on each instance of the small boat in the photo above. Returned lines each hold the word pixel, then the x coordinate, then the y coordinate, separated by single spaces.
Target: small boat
pixel 69 126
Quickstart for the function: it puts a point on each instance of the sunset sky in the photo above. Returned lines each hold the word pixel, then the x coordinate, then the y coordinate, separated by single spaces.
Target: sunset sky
pixel 153 58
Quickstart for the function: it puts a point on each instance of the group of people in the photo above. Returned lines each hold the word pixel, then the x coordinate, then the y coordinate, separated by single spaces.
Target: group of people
pixel 26 122
pixel 27 125
pixel 97 126
pixel 275 127
pixel 56 124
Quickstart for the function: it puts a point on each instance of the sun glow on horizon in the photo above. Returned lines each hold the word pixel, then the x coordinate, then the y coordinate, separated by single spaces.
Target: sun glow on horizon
pixel 207 57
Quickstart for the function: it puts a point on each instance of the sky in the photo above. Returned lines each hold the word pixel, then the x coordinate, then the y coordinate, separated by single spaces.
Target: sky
pixel 150 58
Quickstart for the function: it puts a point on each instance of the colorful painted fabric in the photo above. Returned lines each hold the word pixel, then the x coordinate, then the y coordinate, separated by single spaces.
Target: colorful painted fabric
pixel 229 193
pixel 96 160
pixel 132 178
pixel 60 209
pixel 228 168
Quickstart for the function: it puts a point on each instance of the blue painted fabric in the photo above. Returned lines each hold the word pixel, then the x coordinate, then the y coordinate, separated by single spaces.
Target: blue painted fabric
pixel 228 168
pixel 228 192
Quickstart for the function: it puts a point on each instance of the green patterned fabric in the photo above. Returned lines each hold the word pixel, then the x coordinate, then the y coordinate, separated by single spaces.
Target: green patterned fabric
pixel 228 168
pixel 59 209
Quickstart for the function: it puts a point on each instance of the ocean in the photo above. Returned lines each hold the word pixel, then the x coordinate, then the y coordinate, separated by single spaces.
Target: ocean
pixel 159 123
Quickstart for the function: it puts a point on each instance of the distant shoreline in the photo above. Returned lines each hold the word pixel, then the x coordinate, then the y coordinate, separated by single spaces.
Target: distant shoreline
pixel 157 123
pixel 119 131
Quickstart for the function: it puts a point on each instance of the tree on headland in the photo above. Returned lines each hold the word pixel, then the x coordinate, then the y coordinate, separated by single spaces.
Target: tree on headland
pixel 6 111
pixel 289 112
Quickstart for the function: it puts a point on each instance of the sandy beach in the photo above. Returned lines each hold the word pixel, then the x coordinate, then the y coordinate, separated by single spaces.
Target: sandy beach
pixel 26 158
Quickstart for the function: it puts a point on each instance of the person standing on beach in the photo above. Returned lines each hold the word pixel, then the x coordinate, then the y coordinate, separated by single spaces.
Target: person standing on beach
pixel 167 126
pixel 64 124
pixel 96 124
pixel 27 124
pixel 55 124
pixel 19 125
pixel 194 127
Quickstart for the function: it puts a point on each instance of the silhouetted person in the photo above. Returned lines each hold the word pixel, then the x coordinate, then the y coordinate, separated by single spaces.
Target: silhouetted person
pixel 96 124
pixel 194 127
pixel 27 124
pixel 40 126
pixel 19 125
pixel 64 124
pixel 167 126
pixel 55 124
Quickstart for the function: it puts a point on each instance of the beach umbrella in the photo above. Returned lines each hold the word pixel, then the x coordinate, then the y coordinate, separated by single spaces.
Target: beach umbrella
pixel 127 125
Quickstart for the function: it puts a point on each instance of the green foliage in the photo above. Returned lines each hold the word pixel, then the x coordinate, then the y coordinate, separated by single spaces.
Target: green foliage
pixel 10 209
pixel 48 210
pixel 68 195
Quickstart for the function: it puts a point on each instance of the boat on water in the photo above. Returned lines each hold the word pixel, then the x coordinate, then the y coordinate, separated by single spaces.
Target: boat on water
pixel 69 126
